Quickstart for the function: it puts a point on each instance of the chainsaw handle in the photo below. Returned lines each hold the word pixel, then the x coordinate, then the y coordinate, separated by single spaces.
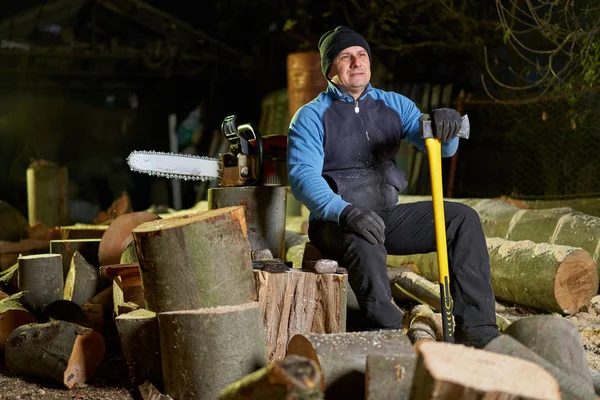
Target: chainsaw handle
pixel 258 144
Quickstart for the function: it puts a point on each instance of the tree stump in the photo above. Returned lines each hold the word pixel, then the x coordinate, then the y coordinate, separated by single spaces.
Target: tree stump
pixel 544 276
pixel 12 315
pixel 205 350
pixel 446 372
pixel 88 248
pixel 61 351
pixel 342 356
pixel 42 276
pixel 195 261
pixel 294 377
pixel 299 302
pixel 390 377
pixel 82 280
pixel 140 347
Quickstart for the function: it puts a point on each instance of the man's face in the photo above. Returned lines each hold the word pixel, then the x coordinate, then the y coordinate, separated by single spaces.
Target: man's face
pixel 352 69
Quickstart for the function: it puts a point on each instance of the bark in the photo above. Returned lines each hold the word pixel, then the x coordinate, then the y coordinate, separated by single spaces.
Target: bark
pixel 48 195
pixel 446 372
pixel 12 315
pixel 342 356
pixel 88 248
pixel 82 280
pixel 195 261
pixel 204 350
pixel 82 231
pixel 118 236
pixel 389 377
pixel 572 386
pixel 294 377
pixel 42 276
pixel 548 277
pixel 299 302
pixel 58 350
pixel 140 347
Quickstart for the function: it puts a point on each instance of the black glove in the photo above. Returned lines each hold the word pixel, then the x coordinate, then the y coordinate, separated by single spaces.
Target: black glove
pixel 445 124
pixel 363 222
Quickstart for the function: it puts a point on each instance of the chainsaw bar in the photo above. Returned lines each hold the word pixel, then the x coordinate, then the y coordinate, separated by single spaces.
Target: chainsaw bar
pixel 174 166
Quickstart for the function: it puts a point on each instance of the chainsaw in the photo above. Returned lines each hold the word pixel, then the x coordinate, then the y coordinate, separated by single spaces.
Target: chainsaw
pixel 252 160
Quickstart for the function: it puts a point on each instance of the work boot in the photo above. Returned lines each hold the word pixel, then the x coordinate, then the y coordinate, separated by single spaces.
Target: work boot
pixel 478 339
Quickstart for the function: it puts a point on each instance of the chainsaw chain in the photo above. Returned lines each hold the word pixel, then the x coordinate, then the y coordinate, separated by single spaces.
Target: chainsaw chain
pixel 172 176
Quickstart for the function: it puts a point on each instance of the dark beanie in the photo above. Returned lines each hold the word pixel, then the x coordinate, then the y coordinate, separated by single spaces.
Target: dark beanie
pixel 333 42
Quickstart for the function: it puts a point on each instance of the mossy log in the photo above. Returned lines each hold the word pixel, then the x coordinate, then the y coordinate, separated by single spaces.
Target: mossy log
pixel 12 315
pixel 446 371
pixel 88 248
pixel 42 276
pixel 342 356
pixel 82 280
pixel 82 231
pixel 205 350
pixel 140 347
pixel 389 377
pixel 58 350
pixel 118 236
pixel 195 261
pixel 572 385
pixel 294 377
pixel 548 277
pixel 299 302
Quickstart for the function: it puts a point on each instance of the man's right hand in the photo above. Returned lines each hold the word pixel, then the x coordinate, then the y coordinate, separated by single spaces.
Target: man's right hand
pixel 365 223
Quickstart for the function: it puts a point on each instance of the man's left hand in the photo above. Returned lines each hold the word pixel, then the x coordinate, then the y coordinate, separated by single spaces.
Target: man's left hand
pixel 446 124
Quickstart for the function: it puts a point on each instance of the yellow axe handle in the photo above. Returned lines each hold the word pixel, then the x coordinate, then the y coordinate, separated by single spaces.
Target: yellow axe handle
pixel 434 153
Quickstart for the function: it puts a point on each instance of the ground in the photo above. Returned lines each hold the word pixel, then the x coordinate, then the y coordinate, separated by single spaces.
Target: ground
pixel 111 381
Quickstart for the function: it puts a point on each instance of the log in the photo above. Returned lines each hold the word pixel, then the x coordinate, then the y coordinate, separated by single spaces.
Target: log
pixel 389 377
pixel 342 356
pixel 65 310
pixel 10 251
pixel 140 347
pixel 129 255
pixel 549 277
pixel 115 270
pixel 446 372
pixel 149 392
pixel 82 231
pixel 118 236
pixel 42 276
pixel 195 261
pixel 58 350
pixel 294 377
pixel 572 386
pixel 88 248
pixel 12 315
pixel 204 350
pixel 127 297
pixel 299 302
pixel 423 324
pixel 94 315
pixel 47 194
pixel 82 280
pixel 105 299
pixel 9 278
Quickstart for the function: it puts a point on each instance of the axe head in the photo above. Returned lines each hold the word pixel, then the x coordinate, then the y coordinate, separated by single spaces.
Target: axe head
pixel 427 131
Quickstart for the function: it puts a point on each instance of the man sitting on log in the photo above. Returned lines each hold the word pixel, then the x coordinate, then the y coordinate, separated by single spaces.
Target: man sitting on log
pixel 341 161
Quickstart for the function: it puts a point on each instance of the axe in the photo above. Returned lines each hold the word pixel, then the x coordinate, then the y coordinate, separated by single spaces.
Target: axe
pixel 434 154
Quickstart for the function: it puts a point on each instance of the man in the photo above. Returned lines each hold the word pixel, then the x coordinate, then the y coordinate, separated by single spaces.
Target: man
pixel 341 163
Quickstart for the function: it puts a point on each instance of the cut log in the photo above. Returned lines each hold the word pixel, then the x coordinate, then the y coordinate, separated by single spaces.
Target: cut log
pixel 118 236
pixel 549 277
pixel 82 280
pixel 423 324
pixel 410 286
pixel 129 255
pixel 149 392
pixel 42 276
pixel 82 231
pixel 127 297
pixel 342 356
pixel 572 385
pixel 61 351
pixel 140 347
pixel 105 299
pixel 65 310
pixel 94 314
pixel 556 340
pixel 195 261
pixel 115 270
pixel 446 372
pixel 47 194
pixel 204 350
pixel 12 315
pixel 299 302
pixel 88 248
pixel 390 377
pixel 294 377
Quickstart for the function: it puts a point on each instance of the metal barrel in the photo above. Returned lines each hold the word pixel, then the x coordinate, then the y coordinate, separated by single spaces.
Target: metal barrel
pixel 265 213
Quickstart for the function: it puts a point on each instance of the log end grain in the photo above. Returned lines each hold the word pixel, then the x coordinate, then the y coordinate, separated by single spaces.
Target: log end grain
pixel 11 320
pixel 575 281
pixel 87 355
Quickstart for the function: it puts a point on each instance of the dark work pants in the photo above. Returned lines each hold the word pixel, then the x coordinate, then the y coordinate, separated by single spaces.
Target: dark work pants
pixel 410 230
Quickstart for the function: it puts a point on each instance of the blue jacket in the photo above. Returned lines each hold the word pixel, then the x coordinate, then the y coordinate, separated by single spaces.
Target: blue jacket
pixel 342 151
